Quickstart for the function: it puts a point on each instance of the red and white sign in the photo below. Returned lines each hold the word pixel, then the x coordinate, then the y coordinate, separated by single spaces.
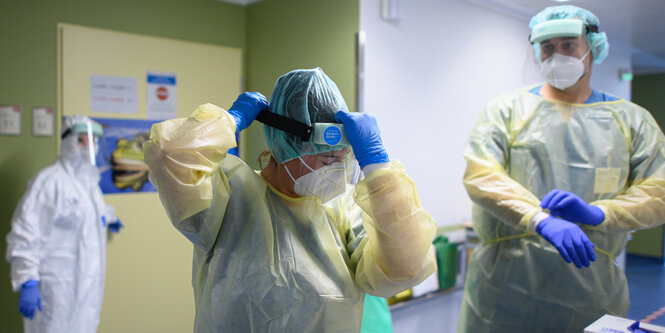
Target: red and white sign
pixel 10 119
pixel 162 93
pixel 42 121
pixel 113 94
pixel 162 96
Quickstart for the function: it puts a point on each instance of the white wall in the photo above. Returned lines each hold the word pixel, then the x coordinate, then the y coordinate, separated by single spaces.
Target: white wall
pixel 429 75
pixel 606 75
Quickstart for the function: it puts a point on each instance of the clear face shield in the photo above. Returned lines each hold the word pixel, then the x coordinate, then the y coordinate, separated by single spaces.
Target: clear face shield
pixel 327 163
pixel 87 139
pixel 324 175
pixel 558 54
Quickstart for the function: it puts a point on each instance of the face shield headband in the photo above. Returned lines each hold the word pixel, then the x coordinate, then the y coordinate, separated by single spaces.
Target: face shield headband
pixel 330 134
pixel 560 28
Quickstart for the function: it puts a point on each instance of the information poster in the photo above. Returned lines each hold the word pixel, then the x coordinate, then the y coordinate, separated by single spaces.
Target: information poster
pixel 162 96
pixel 113 94
pixel 42 121
pixel 10 120
pixel 123 169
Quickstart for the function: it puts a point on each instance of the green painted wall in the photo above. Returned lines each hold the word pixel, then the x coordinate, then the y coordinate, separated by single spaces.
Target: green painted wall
pixel 647 91
pixel 28 48
pixel 292 34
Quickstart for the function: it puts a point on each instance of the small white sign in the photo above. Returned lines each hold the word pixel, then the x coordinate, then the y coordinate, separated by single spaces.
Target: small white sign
pixel 606 180
pixel 162 96
pixel 42 121
pixel 10 120
pixel 113 94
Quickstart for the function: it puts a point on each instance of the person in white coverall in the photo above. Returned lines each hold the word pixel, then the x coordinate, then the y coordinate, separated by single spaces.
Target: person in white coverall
pixel 293 247
pixel 57 243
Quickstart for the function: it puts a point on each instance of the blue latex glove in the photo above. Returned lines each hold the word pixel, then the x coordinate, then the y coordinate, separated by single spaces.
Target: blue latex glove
pixel 635 328
pixel 30 299
pixel 365 137
pixel 246 107
pixel 572 208
pixel 571 242
pixel 116 226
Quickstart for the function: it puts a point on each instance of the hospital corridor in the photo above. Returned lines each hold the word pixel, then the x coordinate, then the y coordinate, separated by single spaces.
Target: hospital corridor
pixel 360 166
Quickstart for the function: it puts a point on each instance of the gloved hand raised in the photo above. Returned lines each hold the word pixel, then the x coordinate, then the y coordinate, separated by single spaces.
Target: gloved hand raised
pixel 30 299
pixel 572 208
pixel 571 242
pixel 365 137
pixel 116 226
pixel 246 107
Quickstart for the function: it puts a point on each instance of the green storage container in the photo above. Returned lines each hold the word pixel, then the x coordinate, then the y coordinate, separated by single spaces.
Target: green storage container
pixel 446 262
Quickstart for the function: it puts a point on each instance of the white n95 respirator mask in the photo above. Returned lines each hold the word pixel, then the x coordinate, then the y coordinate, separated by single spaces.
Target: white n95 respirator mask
pixel 562 71
pixel 325 183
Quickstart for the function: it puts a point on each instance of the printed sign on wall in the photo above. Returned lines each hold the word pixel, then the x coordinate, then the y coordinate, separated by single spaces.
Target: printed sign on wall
pixel 10 119
pixel 113 94
pixel 162 96
pixel 42 121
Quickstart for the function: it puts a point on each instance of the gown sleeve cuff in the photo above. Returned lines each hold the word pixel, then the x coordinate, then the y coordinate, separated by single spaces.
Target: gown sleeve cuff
pixel 536 219
pixel 368 169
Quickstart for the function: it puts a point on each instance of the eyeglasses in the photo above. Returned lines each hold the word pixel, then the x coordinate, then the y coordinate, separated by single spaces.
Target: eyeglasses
pixel 564 45
pixel 333 156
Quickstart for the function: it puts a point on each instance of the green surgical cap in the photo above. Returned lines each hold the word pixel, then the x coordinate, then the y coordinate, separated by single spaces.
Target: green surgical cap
pixel 308 96
pixel 597 40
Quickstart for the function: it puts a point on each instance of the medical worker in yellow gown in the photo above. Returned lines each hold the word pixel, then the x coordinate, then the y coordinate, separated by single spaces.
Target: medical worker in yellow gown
pixel 293 247
pixel 558 173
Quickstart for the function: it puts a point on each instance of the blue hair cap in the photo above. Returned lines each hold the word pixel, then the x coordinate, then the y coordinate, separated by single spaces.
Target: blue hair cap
pixel 308 96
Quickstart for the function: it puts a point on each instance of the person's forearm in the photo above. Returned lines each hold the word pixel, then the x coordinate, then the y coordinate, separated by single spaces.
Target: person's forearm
pixel 490 187
pixel 641 206
pixel 182 154
pixel 400 230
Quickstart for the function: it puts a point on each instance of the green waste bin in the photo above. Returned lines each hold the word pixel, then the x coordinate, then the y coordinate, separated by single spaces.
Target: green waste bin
pixel 446 261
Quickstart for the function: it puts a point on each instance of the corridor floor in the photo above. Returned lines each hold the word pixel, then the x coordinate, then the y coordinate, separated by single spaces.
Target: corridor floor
pixel 646 281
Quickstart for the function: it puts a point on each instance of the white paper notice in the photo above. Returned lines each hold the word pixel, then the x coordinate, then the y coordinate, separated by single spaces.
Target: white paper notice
pixel 10 120
pixel 162 96
pixel 606 180
pixel 113 94
pixel 42 121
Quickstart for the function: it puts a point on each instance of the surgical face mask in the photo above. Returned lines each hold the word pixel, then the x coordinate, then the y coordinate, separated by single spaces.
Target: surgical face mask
pixel 325 183
pixel 562 71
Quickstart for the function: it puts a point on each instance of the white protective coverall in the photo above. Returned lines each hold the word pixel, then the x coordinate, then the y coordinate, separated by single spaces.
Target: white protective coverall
pixel 611 154
pixel 266 262
pixel 58 238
